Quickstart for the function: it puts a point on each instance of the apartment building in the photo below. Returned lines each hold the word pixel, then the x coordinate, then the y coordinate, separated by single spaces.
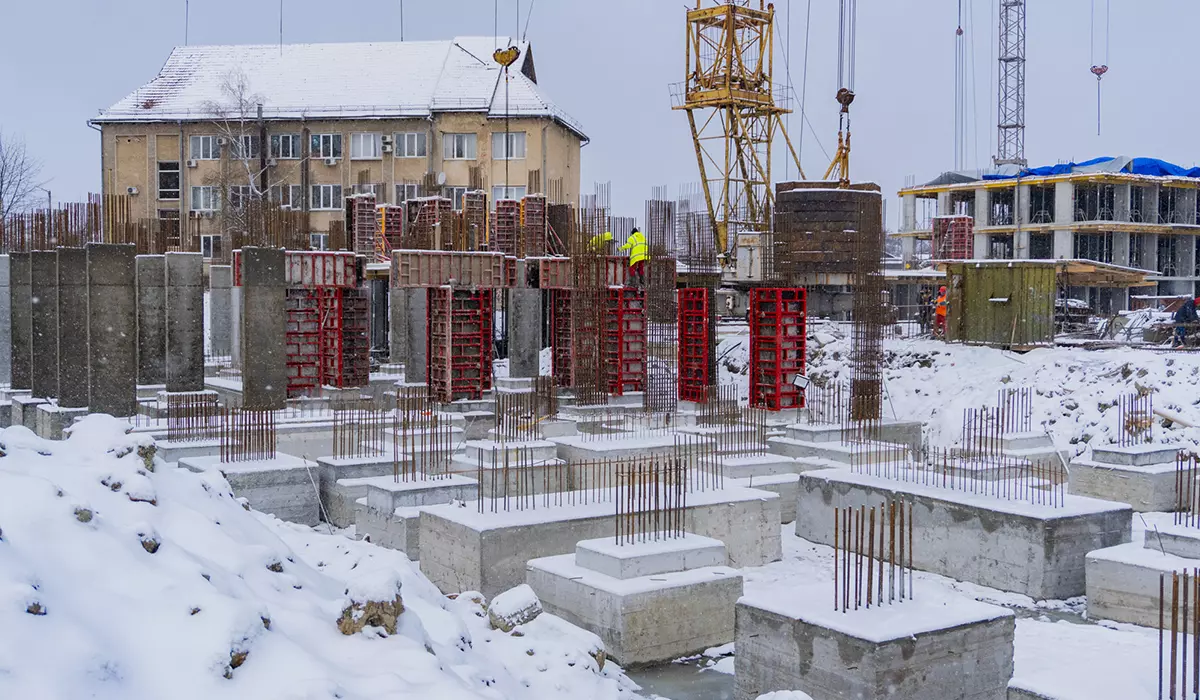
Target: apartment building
pixel 1132 212
pixel 305 125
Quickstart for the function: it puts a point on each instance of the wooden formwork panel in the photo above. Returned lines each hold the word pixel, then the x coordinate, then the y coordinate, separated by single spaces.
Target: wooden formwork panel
pixel 414 269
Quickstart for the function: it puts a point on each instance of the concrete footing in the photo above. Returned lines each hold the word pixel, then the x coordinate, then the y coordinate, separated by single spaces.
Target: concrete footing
pixel 284 486
pixel 914 650
pixel 51 419
pixel 647 601
pixel 1016 546
pixel 577 448
pixel 173 451
pixel 463 549
pixel 389 512
pixel 1122 581
pixel 1141 475
pixel 338 503
pixel 24 411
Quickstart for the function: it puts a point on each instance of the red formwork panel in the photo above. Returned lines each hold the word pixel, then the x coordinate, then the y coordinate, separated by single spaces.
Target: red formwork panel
pixel 311 268
pixel 390 229
pixel 506 225
pixel 459 342
pixel 533 225
pixel 695 309
pixel 953 238
pixel 344 339
pixel 625 340
pixel 777 332
pixel 303 342
pixel 361 224
pixel 560 338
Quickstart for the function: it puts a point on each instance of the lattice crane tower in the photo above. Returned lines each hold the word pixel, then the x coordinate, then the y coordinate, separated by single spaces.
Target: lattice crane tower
pixel 1010 98
pixel 730 103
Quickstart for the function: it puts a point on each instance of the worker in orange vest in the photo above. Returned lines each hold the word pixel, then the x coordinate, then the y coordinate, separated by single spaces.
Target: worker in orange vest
pixel 940 306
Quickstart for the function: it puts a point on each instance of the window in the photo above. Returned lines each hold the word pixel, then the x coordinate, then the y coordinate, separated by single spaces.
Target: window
pixel 286 196
pixel 247 146
pixel 510 192
pixel 326 146
pixel 511 148
pixel 405 192
pixel 326 197
pixel 373 188
pixel 240 195
pixel 204 198
pixel 455 194
pixel 168 179
pixel 318 241
pixel 410 145
pixel 285 145
pixel 210 245
pixel 458 146
pixel 205 148
pixel 365 146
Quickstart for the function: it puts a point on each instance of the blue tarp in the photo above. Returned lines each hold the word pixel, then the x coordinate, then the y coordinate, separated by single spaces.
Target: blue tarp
pixel 1136 166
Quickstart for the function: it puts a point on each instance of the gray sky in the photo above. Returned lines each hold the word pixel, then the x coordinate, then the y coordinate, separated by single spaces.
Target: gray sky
pixel 609 64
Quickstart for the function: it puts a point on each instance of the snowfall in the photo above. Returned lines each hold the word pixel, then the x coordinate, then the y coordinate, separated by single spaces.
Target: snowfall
pixel 124 577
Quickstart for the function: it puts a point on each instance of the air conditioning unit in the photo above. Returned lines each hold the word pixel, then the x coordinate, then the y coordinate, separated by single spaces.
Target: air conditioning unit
pixel 272 162
pixel 387 147
pixel 331 161
pixel 220 140
pixel 387 139
pixel 131 190
pixel 193 163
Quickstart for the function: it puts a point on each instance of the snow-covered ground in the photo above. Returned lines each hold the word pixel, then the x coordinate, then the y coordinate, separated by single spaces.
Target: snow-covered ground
pixel 119 581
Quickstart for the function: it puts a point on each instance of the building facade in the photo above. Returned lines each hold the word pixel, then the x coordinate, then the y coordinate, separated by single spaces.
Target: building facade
pixel 304 126
pixel 1131 212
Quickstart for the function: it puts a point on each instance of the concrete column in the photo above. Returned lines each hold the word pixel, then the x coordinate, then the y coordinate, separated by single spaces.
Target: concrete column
pixel 380 335
pixel 1064 207
pixel 235 327
pixel 1120 248
pixel 1064 245
pixel 397 326
pixel 908 250
pixel 72 328
pixel 1150 206
pixel 983 208
pixel 908 213
pixel 1021 244
pixel 112 328
pixel 44 323
pixel 416 362
pixel 524 319
pixel 1121 195
pixel 1150 252
pixel 185 321
pixel 943 205
pixel 220 285
pixel 264 328
pixel 151 320
pixel 1185 256
pixel 981 248
pixel 19 323
pixel 1021 202
pixel 5 320
pixel 1185 204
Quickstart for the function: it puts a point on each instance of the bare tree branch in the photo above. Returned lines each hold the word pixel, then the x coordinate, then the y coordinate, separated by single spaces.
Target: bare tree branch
pixel 18 176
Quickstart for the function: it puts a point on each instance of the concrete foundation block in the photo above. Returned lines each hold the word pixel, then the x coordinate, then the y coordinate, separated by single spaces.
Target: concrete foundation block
pixel 786 485
pixel 389 511
pixel 339 503
pixel 463 549
pixel 1122 582
pixel 1037 550
pixel 284 486
pixel 577 448
pixel 5 413
pixel 1135 455
pixel 913 650
pixel 52 419
pixel 645 619
pixel 399 530
pixel 621 560
pixel 173 451
pixel 1146 488
pixel 24 411
pixel 909 433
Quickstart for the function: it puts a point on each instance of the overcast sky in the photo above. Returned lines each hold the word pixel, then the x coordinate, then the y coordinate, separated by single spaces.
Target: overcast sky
pixel 609 63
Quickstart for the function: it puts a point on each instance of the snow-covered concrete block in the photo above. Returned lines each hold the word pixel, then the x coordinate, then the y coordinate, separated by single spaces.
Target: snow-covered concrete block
pixel 1147 488
pixel 51 419
pixel 786 485
pixel 1135 455
pixel 339 503
pixel 175 450
pixel 284 486
pixel 655 556
pixel 928 647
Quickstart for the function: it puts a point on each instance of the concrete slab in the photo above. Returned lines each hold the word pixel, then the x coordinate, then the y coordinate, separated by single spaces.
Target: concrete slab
pixel 915 650
pixel 285 486
pixel 1147 488
pixel 656 555
pixel 1135 455
pixel 1037 550
pixel 464 549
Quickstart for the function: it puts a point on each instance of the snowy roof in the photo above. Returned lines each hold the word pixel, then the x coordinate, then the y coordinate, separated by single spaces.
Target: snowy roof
pixel 1145 167
pixel 347 80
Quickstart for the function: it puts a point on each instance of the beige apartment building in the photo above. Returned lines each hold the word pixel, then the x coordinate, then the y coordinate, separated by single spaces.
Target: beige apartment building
pixel 306 125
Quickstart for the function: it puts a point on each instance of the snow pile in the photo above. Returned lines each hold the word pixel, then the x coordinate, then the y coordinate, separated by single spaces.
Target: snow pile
pixel 516 606
pixel 785 695
pixel 122 579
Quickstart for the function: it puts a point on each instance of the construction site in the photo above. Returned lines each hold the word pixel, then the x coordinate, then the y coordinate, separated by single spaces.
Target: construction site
pixel 734 440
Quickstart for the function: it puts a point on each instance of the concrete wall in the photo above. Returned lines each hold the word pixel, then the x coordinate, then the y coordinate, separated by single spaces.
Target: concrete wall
pixel 20 326
pixel 5 320
pixel 220 282
pixel 72 328
pixel 778 652
pixel 112 333
pixel 151 320
pixel 44 323
pixel 416 363
pixel 524 320
pixel 1040 556
pixel 457 556
pixel 264 328
pixel 397 325
pixel 184 321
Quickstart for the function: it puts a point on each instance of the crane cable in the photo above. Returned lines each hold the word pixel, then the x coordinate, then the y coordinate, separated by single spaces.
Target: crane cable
pixel 1101 69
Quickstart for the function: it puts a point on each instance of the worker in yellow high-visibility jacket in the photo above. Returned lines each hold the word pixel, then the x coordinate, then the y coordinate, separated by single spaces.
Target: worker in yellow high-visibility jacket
pixel 638 253
pixel 600 243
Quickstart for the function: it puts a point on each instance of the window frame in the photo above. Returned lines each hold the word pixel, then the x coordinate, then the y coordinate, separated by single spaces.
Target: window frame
pixel 359 138
pixel 507 188
pixel 318 143
pixel 213 241
pixel 239 196
pixel 295 193
pixel 323 239
pixel 456 194
pixel 498 139
pixel 295 150
pixel 247 142
pixel 214 150
pixel 213 196
pixel 420 144
pixel 402 190
pixel 450 142
pixel 178 172
pixel 316 197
